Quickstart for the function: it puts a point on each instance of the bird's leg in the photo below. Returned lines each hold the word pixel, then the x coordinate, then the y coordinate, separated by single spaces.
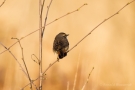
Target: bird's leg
pixel 65 54
pixel 58 58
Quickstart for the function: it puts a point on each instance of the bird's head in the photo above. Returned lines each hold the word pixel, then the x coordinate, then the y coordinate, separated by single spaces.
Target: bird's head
pixel 63 34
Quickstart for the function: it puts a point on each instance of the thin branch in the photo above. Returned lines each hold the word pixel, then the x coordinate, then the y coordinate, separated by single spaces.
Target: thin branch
pixel 2 3
pixel 43 73
pixel 87 79
pixel 46 25
pixel 38 62
pixel 29 83
pixel 24 61
pixel 40 45
pixel 67 14
pixel 84 37
pixel 41 38
pixel 48 7
pixel 14 58
pixel 42 7
pixel 49 66
pixel 101 24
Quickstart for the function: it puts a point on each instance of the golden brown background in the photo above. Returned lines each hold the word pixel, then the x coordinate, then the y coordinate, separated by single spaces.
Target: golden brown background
pixel 110 49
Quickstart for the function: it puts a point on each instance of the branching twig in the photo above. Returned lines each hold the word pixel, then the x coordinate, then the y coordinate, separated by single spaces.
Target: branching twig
pixel 24 61
pixel 2 3
pixel 43 73
pixel 42 7
pixel 101 24
pixel 40 45
pixel 85 36
pixel 29 83
pixel 87 79
pixel 18 63
pixel 67 14
pixel 48 7
pixel 15 59
pixel 41 32
pixel 43 27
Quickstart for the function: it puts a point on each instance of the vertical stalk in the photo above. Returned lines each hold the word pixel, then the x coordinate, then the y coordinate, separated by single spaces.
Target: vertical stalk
pixel 40 45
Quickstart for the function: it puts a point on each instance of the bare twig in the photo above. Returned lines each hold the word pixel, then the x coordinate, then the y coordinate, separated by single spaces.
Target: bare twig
pixel 24 61
pixel 43 27
pixel 2 3
pixel 15 59
pixel 42 7
pixel 67 14
pixel 40 44
pixel 87 79
pixel 48 7
pixel 101 24
pixel 51 64
pixel 38 62
pixel 43 73
pixel 41 37
pixel 29 83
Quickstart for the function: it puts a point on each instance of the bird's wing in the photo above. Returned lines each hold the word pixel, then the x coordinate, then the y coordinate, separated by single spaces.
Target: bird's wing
pixel 56 45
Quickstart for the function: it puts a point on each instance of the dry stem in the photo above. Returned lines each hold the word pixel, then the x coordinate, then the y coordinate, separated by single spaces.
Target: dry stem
pixel 87 79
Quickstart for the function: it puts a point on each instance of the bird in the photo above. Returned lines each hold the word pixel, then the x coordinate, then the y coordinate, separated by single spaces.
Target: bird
pixel 61 45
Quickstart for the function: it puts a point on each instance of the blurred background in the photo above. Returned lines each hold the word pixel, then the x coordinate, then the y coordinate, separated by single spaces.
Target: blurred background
pixel 110 49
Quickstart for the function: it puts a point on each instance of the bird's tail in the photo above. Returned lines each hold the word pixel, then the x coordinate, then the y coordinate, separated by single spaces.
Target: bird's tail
pixel 62 55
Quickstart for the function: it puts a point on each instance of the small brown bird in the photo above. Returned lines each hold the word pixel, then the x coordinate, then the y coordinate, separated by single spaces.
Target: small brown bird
pixel 61 45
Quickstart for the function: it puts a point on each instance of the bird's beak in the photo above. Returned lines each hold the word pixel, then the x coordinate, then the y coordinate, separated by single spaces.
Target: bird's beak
pixel 67 34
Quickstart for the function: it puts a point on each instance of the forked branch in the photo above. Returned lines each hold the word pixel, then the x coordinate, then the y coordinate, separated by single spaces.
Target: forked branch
pixel 48 7
pixel 43 27
pixel 24 61
pixel 15 59
pixel 86 35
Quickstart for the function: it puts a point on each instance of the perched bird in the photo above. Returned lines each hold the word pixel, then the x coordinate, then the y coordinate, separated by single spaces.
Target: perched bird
pixel 61 45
